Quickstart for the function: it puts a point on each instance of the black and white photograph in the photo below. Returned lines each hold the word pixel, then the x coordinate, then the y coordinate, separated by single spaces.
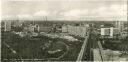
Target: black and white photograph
pixel 64 30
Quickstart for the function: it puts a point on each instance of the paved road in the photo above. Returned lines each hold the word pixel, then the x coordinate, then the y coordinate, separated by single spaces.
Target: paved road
pixel 83 48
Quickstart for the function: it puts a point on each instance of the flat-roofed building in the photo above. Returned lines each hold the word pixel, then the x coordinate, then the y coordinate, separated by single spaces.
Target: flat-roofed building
pixel 110 32
pixel 75 30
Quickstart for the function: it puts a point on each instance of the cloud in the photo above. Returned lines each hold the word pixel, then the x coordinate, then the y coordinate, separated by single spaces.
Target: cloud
pixel 104 12
pixel 118 11
pixel 42 13
pixel 75 13
pixel 24 16
pixel 113 10
pixel 7 17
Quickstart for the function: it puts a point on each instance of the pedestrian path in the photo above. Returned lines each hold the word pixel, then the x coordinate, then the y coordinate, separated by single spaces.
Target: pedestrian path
pixel 83 49
pixel 97 56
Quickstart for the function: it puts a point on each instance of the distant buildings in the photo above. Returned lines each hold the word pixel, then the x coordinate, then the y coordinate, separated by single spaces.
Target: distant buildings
pixel 122 28
pixel 120 25
pixel 17 23
pixel 32 28
pixel 29 30
pixel 44 28
pixel 6 25
pixel 119 30
pixel 75 30
pixel 109 32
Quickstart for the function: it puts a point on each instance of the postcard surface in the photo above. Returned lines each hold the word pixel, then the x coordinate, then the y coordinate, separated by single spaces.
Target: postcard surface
pixel 64 30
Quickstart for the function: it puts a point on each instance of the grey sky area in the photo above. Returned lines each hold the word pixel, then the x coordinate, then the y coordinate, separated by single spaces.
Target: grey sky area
pixel 65 10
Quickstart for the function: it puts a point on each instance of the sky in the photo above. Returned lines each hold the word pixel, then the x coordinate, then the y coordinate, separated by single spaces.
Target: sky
pixel 107 10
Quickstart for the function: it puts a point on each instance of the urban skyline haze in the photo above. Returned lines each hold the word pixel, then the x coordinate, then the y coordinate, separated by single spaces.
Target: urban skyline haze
pixel 105 10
